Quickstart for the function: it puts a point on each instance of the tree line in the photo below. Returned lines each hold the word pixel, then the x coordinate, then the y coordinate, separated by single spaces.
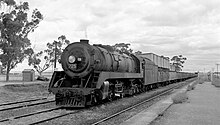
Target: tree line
pixel 177 60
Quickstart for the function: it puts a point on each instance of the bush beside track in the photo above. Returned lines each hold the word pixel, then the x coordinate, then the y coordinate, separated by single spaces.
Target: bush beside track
pixel 216 81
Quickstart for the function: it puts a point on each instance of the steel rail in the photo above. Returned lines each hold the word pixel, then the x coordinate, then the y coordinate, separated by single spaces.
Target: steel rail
pixel 29 114
pixel 31 100
pixel 28 105
pixel 48 119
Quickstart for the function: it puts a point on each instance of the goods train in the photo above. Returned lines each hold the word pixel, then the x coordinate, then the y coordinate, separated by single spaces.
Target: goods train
pixel 94 73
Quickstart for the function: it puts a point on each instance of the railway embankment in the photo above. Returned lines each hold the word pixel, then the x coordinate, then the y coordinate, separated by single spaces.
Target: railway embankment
pixel 196 104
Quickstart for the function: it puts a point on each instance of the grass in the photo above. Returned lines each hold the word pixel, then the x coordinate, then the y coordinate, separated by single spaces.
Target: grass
pixel 26 87
pixel 16 92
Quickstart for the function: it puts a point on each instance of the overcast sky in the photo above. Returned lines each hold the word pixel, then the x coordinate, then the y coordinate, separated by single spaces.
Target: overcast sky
pixel 165 27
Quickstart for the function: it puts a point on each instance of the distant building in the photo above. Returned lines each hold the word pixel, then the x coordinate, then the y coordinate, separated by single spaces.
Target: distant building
pixel 1 70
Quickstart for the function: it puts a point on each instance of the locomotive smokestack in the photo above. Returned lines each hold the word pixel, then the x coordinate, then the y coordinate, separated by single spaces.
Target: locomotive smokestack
pixel 84 41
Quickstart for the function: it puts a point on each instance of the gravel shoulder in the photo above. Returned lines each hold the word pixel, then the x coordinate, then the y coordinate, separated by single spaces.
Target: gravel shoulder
pixel 202 108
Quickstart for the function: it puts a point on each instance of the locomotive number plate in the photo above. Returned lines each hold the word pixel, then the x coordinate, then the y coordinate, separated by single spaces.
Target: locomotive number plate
pixel 72 66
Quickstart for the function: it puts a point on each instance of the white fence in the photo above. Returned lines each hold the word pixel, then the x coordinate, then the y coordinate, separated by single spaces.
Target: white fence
pixel 18 76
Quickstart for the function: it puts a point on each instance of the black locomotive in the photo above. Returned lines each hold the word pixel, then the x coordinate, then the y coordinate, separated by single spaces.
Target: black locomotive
pixel 93 73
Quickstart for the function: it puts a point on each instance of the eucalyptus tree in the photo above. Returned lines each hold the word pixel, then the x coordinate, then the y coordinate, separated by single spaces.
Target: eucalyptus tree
pixel 122 47
pixel 14 29
pixel 56 48
pixel 178 62
pixel 41 64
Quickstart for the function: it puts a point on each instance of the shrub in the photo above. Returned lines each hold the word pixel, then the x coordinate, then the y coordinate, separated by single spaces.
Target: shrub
pixel 216 82
pixel 180 97
pixel 193 85
pixel 190 87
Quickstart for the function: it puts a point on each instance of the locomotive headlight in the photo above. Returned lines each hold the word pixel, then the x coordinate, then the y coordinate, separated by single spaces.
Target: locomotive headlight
pixel 72 59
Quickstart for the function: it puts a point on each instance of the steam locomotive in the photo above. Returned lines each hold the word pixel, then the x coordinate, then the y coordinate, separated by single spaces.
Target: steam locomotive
pixel 93 73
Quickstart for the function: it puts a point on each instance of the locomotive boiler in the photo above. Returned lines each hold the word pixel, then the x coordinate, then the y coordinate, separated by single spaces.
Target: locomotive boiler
pixel 80 58
pixel 92 73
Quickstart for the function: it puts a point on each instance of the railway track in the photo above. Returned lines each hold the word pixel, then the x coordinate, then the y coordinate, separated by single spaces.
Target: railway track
pixel 13 110
pixel 54 117
pixel 42 116
pixel 38 116
pixel 32 117
pixel 17 102
pixel 138 104
pixel 26 103
pixel 28 114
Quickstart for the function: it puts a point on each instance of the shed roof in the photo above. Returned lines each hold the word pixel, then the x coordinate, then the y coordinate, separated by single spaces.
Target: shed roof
pixel 28 70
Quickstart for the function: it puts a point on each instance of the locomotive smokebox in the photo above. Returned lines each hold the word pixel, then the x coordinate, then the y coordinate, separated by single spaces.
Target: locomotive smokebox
pixel 84 41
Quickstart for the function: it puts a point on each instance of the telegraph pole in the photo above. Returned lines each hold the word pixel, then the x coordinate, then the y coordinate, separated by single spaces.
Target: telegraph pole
pixel 55 54
pixel 217 69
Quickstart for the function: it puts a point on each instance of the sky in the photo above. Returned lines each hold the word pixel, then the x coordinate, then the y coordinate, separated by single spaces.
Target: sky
pixel 165 27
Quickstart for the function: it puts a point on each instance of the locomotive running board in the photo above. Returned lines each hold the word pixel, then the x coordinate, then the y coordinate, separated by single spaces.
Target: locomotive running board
pixel 116 75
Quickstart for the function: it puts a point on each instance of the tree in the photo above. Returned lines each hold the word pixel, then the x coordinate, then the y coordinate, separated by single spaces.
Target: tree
pixel 178 61
pixel 35 60
pixel 122 47
pixel 57 46
pixel 14 30
pixel 138 52
pixel 49 55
